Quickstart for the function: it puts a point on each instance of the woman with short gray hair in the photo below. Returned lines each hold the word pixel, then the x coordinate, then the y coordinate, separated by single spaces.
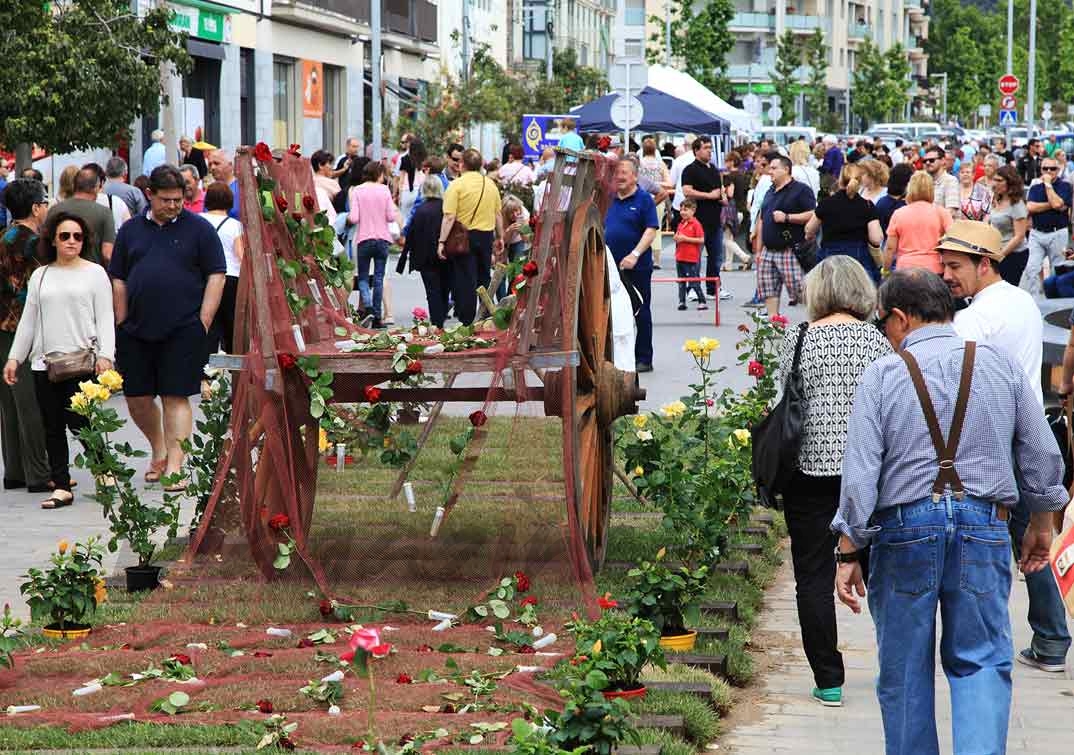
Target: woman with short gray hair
pixel 838 345
pixel 422 239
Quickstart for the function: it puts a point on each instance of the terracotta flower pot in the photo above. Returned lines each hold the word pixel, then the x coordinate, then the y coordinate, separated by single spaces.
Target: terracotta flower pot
pixel 679 643
pixel 637 693
pixel 72 632
pixel 141 578
pixel 330 460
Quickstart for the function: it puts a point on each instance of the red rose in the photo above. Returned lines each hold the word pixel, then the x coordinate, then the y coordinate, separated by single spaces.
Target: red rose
pixel 125 646
pixel 309 203
pixel 295 149
pixel 281 202
pixel 372 394
pixel 264 706
pixel 325 607
pixel 478 418
pixel 414 368
pixel 403 679
pixel 579 659
pixel 529 600
pixel 297 217
pixel 779 320
pixel 606 602
pixel 359 745
pixel 181 658
pixel 262 654
pixel 406 739
pixel 262 153
pixel 522 582
pixel 346 656
pixel 279 522
pixel 755 369
pixel 287 361
pixel 425 649
pixel 526 650
pixel 306 642
pixel 529 269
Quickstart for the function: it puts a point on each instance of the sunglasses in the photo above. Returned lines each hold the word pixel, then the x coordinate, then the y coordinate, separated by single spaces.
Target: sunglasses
pixel 882 323
pixel 68 235
pixel 930 160
pixel 1052 169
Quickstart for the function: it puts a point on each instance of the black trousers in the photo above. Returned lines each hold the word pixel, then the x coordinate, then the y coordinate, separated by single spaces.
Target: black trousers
pixel 54 400
pixel 481 249
pixel 223 329
pixel 437 282
pixel 809 504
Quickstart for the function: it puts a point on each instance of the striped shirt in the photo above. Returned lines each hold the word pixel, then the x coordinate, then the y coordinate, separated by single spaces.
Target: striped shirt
pixel 890 459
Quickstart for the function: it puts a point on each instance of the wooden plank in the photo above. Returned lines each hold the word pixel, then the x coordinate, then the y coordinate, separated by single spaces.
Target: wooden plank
pixel 632 750
pixel 712 633
pixel 726 608
pixel 699 689
pixel 672 723
pixel 733 567
pixel 443 362
pixel 755 531
pixel 746 547
pixel 714 664
pixel 764 517
pixel 353 391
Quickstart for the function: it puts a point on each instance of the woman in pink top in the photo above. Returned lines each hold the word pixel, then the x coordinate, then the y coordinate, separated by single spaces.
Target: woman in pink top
pixel 371 210
pixel 915 230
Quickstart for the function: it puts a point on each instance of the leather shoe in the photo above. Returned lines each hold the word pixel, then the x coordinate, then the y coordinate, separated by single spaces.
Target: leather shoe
pixel 642 367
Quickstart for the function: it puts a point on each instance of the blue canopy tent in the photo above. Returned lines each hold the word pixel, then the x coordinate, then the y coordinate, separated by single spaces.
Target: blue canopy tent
pixel 662 113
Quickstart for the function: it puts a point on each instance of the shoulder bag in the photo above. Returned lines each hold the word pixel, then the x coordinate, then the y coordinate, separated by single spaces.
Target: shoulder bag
pixel 457 243
pixel 778 437
pixel 61 366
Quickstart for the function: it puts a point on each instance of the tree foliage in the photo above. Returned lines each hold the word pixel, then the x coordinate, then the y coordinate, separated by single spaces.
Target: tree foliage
pixel 700 41
pixel 816 86
pixel 880 83
pixel 77 73
pixel 788 59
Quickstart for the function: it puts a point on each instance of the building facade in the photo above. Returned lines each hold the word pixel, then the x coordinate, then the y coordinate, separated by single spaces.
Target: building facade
pixel 540 27
pixel 292 71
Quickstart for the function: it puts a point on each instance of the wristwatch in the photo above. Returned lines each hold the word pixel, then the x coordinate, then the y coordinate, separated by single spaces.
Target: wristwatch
pixel 848 558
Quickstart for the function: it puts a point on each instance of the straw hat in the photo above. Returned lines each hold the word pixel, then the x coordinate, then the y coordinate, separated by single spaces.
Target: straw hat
pixel 972 237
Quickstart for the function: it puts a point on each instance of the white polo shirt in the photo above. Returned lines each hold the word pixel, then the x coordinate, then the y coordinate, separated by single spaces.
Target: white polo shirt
pixel 677 166
pixel 1006 316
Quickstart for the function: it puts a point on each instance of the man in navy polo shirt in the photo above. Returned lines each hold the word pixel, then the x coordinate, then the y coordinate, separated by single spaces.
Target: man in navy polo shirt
pixel 629 230
pixel 1048 202
pixel 167 273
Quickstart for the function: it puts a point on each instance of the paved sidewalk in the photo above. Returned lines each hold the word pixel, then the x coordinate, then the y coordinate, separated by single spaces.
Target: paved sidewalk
pixel 787 720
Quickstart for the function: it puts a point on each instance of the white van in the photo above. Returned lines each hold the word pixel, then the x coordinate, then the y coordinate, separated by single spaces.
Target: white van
pixel 912 130
pixel 784 135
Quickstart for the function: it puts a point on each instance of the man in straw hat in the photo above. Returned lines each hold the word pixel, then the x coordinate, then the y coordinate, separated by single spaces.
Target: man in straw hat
pixel 1006 316
pixel 929 481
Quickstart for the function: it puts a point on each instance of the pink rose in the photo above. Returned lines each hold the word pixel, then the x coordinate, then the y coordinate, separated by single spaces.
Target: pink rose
pixel 366 639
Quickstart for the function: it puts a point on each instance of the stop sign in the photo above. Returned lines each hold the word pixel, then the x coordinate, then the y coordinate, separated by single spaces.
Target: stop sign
pixel 1008 84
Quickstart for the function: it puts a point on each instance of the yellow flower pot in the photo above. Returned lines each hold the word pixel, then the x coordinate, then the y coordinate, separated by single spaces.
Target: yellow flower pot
pixel 679 643
pixel 66 634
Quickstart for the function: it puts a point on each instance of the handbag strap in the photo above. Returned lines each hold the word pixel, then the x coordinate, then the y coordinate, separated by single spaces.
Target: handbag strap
pixel 945 452
pixel 802 327
pixel 477 207
pixel 40 306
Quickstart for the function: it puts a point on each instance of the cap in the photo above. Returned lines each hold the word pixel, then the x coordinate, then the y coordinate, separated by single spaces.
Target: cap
pixel 972 237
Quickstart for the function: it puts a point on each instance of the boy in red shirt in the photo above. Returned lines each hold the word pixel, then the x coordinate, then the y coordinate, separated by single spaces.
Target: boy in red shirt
pixel 688 241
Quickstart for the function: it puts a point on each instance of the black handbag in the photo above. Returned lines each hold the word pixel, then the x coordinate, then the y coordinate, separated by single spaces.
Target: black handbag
pixel 806 254
pixel 778 437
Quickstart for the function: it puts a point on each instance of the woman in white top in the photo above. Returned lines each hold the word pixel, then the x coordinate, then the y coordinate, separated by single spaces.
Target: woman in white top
pixel 516 171
pixel 68 309
pixel 874 179
pixel 218 201
pixel 801 170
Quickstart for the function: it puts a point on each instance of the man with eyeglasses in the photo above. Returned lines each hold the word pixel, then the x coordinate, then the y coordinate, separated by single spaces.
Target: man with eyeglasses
pixel 1048 202
pixel 167 274
pixel 945 186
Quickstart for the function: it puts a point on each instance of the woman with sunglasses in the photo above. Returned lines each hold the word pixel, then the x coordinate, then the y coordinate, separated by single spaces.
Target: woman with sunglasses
pixel 68 309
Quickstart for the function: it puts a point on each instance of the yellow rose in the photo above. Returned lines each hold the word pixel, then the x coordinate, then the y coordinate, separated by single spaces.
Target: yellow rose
pixel 79 402
pixel 639 471
pixel 104 394
pixel 709 344
pixel 62 547
pixel 87 387
pixel 691 345
pixel 91 391
pixel 100 594
pixel 597 647
pixel 111 380
pixel 742 436
pixel 323 444
pixel 640 421
pixel 644 435
pixel 674 410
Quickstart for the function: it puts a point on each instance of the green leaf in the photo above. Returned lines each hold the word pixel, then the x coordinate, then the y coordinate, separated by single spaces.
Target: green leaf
pixel 178 699
pixel 499 609
pixel 281 562
pixel 596 679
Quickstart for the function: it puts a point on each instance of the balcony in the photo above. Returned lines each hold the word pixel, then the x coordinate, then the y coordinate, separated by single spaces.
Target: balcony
pixel 760 72
pixel 857 32
pixel 746 21
pixel 806 24
pixel 411 18
pixel 798 23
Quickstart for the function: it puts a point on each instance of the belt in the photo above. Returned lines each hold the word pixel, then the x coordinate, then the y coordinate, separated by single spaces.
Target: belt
pixel 1051 230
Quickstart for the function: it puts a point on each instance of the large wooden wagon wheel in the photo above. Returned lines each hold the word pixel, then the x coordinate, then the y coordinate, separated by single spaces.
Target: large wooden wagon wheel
pixel 596 390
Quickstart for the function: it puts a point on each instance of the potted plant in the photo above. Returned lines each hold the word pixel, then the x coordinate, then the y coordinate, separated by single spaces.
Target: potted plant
pixel 130 517
pixel 617 647
pixel 66 594
pixel 669 599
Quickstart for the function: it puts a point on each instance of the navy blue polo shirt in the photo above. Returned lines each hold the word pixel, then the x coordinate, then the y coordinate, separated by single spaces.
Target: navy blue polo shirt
pixel 625 224
pixel 1050 220
pixel 165 268
pixel 793 198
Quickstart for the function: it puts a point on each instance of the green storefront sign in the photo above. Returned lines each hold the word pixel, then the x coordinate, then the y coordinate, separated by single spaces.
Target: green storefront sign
pixel 754 88
pixel 200 19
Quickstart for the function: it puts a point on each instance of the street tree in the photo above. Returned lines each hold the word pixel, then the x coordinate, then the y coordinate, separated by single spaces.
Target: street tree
pixel 788 60
pixel 880 82
pixel 816 87
pixel 77 73
pixel 700 41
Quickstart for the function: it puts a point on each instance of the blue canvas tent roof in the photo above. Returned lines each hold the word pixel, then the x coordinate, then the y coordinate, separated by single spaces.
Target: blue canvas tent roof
pixel 663 113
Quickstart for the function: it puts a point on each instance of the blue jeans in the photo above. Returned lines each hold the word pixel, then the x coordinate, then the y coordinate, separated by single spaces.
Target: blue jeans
pixel 713 256
pixel 689 270
pixel 957 554
pixel 375 251
pixel 1047 616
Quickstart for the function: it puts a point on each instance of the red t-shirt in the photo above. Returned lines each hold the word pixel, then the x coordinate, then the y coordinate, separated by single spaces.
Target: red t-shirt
pixel 684 250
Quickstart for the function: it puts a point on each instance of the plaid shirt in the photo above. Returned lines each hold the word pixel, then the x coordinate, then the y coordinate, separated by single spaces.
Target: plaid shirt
pixel 890 459
pixel 18 259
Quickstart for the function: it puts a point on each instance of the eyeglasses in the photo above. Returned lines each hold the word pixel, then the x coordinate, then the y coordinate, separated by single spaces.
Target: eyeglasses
pixel 68 235
pixel 882 323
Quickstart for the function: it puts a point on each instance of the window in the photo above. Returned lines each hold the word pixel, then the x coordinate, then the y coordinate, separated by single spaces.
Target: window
pixel 634 12
pixel 333 109
pixel 583 55
pixel 283 105
pixel 535 31
pixel 633 48
pixel 246 96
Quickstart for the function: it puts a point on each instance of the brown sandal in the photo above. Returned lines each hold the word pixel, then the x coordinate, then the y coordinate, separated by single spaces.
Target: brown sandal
pixel 55 502
pixel 156 469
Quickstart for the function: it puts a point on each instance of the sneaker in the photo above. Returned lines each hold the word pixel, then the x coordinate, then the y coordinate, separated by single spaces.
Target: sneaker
pixel 701 306
pixel 754 302
pixel 692 296
pixel 830 698
pixel 1053 664
pixel 682 306
pixel 725 294
pixel 643 367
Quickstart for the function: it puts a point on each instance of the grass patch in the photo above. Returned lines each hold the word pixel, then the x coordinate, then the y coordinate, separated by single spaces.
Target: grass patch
pixel 131 735
pixel 669 743
pixel 701 723
pixel 722 695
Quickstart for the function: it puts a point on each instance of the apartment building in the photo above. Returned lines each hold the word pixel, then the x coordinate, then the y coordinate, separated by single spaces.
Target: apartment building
pixel 292 71
pixel 585 26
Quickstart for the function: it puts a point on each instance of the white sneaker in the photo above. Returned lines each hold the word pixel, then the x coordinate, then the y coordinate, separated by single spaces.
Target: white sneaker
pixel 725 294
pixel 691 295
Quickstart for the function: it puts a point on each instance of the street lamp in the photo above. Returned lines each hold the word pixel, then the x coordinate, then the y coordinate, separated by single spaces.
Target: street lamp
pixel 944 77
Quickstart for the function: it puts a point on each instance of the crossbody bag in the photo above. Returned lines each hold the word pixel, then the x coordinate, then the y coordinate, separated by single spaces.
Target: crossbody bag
pixel 61 366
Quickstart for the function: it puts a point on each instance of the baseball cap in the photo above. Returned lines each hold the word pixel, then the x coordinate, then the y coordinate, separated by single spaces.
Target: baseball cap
pixel 972 237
